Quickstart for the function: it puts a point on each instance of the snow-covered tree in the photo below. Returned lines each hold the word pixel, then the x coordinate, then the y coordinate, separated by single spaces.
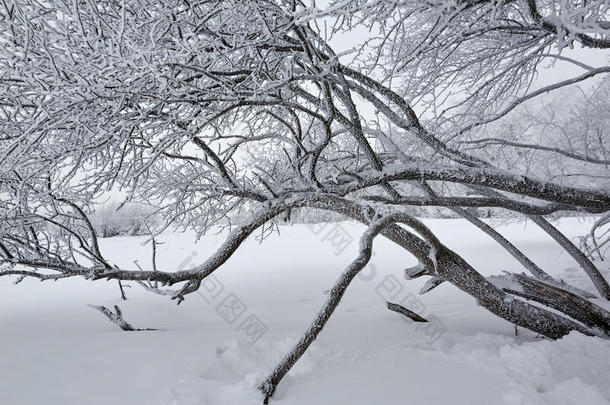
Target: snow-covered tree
pixel 215 110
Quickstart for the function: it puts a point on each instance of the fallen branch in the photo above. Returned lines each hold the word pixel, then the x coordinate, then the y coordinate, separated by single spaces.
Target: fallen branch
pixel 117 318
pixel 406 312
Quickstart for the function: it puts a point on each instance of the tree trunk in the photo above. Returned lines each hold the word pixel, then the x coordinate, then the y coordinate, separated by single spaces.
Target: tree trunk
pixel 562 300
pixel 454 269
pixel 449 266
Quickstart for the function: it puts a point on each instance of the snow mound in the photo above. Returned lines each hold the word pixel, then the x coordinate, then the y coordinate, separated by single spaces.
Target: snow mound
pixel 572 370
pixel 237 369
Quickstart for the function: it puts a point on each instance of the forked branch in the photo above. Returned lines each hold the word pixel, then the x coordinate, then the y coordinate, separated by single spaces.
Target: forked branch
pixel 269 386
pixel 117 318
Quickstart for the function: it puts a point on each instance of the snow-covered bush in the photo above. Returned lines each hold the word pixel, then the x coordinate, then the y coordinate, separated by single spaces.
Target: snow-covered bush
pixel 114 219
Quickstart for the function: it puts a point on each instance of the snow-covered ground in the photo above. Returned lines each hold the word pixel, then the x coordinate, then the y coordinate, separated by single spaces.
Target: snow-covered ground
pixel 217 345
